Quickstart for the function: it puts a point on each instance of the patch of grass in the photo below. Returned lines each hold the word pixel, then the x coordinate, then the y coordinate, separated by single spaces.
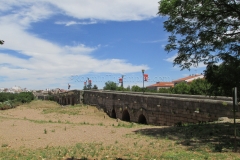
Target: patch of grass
pixel 212 137
pixel 135 144
pixel 69 110
pixel 100 124
pixel 101 151
pixel 204 141
pixel 84 123
pixel 126 125
pixel 4 145
pixel 68 122
pixel 113 131
pixel 39 121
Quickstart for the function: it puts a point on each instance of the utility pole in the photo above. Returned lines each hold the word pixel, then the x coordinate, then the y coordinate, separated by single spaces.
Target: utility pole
pixel 143 79
pixel 235 106
pixel 122 81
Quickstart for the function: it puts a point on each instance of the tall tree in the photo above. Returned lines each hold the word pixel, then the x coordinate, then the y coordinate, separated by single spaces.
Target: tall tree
pixel 224 77
pixel 95 86
pixel 136 88
pixel 110 86
pixel 199 87
pixel 181 88
pixel 201 30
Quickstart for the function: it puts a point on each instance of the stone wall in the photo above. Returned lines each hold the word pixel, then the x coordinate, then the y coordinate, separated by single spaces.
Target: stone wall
pixel 151 108
pixel 160 109
pixel 69 98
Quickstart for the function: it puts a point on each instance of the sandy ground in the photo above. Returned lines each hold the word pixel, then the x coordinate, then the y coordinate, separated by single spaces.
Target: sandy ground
pixel 31 128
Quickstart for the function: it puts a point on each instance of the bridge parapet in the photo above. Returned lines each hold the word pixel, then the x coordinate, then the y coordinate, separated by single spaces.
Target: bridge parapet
pixel 160 109
pixel 152 108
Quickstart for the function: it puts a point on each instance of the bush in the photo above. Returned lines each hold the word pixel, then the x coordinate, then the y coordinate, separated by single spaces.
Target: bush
pixel 11 100
pixel 25 97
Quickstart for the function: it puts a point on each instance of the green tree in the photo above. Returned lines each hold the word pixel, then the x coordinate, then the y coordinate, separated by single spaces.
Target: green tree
pixel 85 88
pixel 128 88
pixel 110 85
pixel 201 31
pixel 25 97
pixel 164 90
pixel 7 96
pixel 224 77
pixel 136 88
pixel 95 86
pixel 120 88
pixel 199 87
pixel 181 88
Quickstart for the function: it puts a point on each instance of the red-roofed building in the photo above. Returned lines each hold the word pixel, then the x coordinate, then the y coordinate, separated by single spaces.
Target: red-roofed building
pixel 159 85
pixel 188 79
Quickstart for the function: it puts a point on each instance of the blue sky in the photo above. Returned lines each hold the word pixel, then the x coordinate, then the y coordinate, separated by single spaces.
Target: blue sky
pixel 50 43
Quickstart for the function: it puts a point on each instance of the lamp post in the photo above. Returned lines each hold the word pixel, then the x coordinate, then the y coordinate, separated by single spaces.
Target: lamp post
pixel 89 86
pixel 85 85
pixel 143 79
pixel 122 81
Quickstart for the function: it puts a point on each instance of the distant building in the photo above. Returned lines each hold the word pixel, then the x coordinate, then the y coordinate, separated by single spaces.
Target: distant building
pixel 16 89
pixel 159 85
pixel 189 78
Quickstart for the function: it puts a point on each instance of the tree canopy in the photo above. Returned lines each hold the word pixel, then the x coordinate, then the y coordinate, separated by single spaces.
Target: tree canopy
pixel 201 31
pixel 95 86
pixel 136 88
pixel 110 86
pixel 224 77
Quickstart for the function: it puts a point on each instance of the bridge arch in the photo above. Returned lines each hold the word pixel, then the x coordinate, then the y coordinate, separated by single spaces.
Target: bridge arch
pixel 113 114
pixel 126 116
pixel 73 101
pixel 142 119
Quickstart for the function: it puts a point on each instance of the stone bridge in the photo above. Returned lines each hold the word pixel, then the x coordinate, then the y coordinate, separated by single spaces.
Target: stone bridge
pixel 71 97
pixel 153 108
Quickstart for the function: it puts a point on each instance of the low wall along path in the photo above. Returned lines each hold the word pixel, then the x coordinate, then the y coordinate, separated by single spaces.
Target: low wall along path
pixel 152 108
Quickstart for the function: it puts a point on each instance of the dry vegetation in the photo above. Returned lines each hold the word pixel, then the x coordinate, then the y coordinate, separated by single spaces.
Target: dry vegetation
pixel 45 130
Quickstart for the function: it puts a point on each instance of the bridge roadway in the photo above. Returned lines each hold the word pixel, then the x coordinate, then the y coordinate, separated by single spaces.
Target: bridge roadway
pixel 152 108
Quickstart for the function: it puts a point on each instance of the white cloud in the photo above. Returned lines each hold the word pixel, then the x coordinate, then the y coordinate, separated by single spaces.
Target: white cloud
pixel 48 62
pixel 117 10
pixel 171 60
pixel 70 23
pixel 156 41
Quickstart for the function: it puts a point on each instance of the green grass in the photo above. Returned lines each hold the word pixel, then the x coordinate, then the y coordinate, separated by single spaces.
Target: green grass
pixel 4 145
pixel 100 124
pixel 69 110
pixel 126 125
pixel 206 141
pixel 45 131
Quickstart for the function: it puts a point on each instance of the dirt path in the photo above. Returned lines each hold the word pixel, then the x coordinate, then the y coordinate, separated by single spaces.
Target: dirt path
pixel 32 127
